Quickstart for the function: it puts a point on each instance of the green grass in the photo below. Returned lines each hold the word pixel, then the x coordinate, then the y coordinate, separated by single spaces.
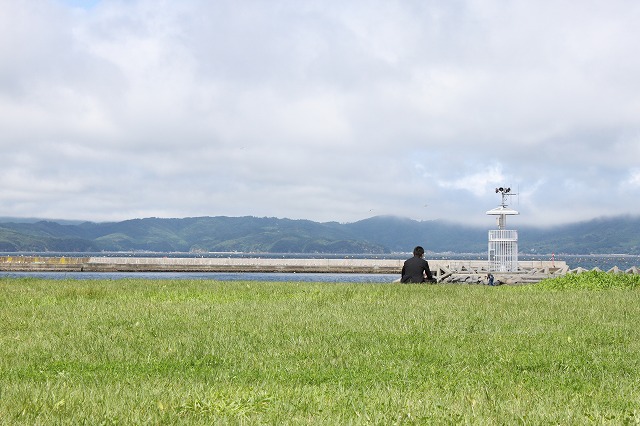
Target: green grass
pixel 204 352
pixel 592 280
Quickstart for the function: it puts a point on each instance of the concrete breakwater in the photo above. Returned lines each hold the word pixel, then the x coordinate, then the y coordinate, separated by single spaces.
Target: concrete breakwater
pixel 160 264
pixel 464 271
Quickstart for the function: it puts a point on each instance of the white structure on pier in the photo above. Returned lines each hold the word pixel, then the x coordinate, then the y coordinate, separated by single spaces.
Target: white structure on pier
pixel 503 243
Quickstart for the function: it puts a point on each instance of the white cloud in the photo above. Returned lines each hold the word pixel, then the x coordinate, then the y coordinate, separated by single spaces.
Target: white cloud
pixel 634 178
pixel 318 110
pixel 478 183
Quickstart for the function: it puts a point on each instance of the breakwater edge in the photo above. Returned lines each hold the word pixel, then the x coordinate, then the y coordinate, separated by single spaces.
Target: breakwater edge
pixel 473 269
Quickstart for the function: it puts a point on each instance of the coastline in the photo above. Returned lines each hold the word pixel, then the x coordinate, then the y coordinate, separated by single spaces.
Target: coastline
pixel 470 271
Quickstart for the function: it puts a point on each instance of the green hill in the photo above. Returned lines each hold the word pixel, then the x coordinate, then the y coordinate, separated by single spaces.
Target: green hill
pixel 376 235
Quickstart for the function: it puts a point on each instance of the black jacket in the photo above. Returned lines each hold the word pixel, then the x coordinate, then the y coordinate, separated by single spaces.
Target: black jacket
pixel 414 269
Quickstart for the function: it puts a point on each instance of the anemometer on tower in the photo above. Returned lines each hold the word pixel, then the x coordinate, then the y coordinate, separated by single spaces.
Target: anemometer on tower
pixel 503 243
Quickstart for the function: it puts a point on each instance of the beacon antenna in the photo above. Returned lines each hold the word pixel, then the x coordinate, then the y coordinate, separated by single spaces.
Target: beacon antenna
pixel 505 192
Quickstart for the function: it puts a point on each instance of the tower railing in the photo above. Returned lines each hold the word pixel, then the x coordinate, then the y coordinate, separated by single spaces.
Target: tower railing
pixel 503 250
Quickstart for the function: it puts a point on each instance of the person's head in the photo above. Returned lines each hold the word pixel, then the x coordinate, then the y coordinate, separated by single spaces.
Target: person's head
pixel 418 251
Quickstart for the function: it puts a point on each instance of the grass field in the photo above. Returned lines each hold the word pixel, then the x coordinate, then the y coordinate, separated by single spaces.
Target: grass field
pixel 206 352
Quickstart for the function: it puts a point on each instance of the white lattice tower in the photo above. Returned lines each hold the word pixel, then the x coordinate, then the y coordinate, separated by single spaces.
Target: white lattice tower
pixel 503 243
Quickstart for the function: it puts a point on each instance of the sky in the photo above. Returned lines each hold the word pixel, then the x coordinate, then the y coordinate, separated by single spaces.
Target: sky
pixel 327 110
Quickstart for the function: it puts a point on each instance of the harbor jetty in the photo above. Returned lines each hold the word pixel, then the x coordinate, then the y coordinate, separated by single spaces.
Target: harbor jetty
pixel 445 271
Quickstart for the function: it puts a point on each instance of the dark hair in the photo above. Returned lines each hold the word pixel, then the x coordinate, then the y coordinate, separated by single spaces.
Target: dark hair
pixel 418 251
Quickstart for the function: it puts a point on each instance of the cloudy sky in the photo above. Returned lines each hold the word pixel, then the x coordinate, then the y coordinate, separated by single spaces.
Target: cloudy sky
pixel 323 110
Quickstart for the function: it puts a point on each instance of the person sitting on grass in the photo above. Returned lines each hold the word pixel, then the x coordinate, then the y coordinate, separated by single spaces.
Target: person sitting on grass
pixel 416 269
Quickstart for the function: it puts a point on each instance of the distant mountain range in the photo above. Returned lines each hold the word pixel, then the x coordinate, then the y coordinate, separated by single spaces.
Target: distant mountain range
pixel 376 235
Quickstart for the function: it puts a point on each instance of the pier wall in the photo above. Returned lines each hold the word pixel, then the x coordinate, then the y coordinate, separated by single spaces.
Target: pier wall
pixel 160 264
pixel 452 271
pixel 133 264
pixel 443 270
pixel 42 263
pixel 150 264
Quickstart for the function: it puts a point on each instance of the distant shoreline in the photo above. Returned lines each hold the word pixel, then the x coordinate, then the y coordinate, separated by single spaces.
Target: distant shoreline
pixel 379 263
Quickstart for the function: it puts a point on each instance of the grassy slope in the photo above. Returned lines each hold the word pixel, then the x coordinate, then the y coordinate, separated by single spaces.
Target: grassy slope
pixel 192 352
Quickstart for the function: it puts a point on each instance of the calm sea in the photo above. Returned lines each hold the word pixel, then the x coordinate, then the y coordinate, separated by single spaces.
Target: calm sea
pixel 604 262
